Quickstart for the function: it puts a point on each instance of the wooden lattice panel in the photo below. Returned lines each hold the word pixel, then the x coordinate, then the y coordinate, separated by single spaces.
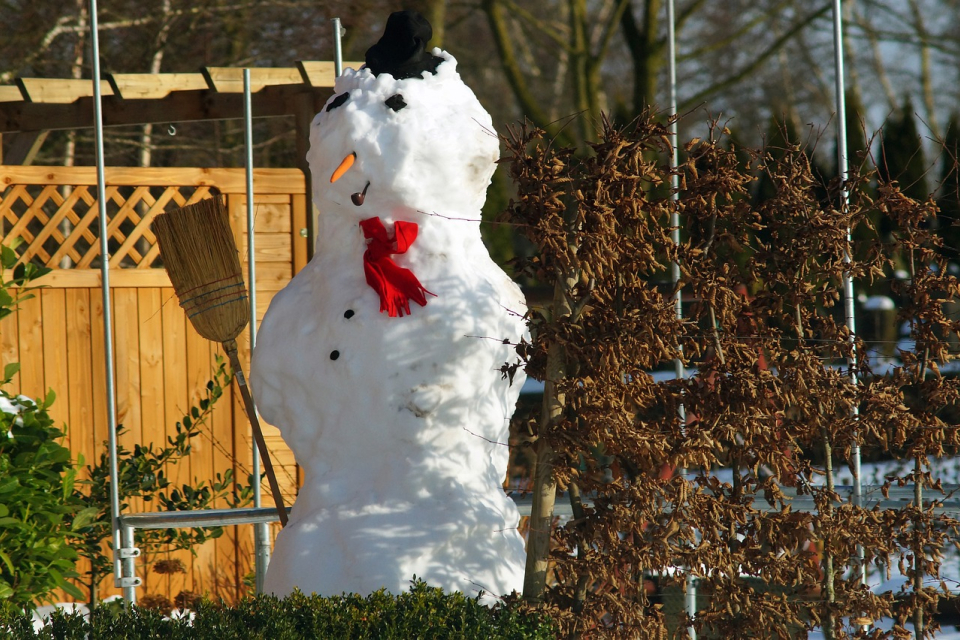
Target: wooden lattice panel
pixel 161 364
pixel 58 225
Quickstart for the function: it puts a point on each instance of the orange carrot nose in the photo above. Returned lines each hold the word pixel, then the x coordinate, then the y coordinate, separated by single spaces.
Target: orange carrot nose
pixel 343 168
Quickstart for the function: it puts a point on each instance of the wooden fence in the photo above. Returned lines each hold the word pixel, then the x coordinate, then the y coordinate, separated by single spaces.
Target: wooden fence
pixel 161 364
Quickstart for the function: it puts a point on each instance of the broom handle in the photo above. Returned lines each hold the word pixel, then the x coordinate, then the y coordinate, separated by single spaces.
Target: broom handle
pixel 231 348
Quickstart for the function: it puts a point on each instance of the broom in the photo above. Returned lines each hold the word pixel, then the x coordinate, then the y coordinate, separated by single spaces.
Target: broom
pixel 200 254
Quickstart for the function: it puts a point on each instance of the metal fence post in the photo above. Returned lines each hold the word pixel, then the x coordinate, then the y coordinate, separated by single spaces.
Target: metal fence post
pixel 261 531
pixel 690 585
pixel 108 356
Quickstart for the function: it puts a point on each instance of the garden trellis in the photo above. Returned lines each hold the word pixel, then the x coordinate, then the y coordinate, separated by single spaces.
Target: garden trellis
pixel 55 211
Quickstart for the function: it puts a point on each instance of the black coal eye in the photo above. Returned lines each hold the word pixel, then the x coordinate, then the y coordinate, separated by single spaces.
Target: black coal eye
pixel 334 354
pixel 348 314
pixel 395 102
pixel 339 100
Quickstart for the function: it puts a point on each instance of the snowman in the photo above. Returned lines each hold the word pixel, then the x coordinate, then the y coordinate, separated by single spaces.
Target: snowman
pixel 379 361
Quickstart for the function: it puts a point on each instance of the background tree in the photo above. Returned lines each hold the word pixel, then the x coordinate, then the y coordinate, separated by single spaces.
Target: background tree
pixel 949 192
pixel 901 154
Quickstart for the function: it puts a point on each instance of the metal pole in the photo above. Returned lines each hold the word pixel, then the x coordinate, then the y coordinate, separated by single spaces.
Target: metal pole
pixel 690 586
pixel 848 293
pixel 338 32
pixel 129 552
pixel 261 531
pixel 120 580
pixel 674 180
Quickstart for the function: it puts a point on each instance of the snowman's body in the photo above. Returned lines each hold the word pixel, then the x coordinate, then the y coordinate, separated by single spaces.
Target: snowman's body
pixel 400 424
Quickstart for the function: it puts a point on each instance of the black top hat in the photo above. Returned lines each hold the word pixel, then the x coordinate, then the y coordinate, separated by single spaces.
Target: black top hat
pixel 401 50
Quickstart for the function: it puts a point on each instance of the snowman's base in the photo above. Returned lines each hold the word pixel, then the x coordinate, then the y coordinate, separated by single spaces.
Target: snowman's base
pixel 363 550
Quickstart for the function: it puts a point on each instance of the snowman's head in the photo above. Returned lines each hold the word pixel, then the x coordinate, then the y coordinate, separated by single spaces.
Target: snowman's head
pixel 404 148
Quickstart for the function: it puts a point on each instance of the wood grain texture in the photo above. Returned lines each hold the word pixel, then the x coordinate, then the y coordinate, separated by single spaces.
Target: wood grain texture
pixel 265 181
pixel 230 79
pixel 127 334
pixel 79 373
pixel 59 90
pixel 55 370
pixel 31 347
pixel 161 364
pixel 153 86
pixel 10 348
pixel 321 73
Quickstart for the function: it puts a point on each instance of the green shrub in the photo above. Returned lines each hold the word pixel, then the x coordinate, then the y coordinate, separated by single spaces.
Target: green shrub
pixel 37 502
pixel 141 474
pixel 423 612
pixel 49 517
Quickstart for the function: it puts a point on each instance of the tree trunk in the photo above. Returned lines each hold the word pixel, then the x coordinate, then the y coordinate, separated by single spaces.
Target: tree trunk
pixel 544 483
pixel 644 52
pixel 435 11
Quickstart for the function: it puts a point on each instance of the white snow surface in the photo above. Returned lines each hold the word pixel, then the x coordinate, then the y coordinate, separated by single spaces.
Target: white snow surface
pixel 402 437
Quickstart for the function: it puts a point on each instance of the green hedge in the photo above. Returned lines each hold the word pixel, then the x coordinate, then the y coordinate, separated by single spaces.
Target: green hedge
pixel 423 612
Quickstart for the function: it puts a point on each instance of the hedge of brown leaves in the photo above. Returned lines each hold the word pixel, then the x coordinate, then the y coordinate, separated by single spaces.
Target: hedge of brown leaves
pixel 772 399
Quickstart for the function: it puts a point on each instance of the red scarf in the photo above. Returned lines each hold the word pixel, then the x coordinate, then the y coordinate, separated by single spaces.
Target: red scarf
pixel 395 285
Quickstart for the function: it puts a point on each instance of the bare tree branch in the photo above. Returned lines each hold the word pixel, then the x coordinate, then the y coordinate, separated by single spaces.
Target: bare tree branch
pixel 757 61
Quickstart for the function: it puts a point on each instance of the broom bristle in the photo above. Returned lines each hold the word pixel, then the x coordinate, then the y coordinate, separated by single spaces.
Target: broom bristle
pixel 200 254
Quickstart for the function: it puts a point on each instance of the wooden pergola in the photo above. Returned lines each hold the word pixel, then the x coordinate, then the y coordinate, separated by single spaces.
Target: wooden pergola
pixel 33 107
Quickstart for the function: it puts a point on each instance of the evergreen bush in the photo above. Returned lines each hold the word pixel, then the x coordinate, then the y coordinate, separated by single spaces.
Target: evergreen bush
pixel 423 612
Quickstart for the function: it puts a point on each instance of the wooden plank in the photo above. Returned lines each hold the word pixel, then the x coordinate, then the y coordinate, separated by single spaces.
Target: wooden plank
pixel 59 90
pixel 268 217
pixel 260 199
pixel 198 372
pixel 10 93
pixel 243 437
pixel 126 340
pixel 79 371
pixel 268 247
pixel 230 79
pixel 179 106
pixel 31 347
pixel 98 377
pixel 55 370
pixel 151 366
pixel 322 73
pixel 175 393
pixel 175 403
pixel 126 327
pixel 243 459
pixel 265 181
pixel 271 276
pixel 10 348
pixel 221 428
pixel 152 86
pixel 264 298
pixel 91 278
pixel 298 237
